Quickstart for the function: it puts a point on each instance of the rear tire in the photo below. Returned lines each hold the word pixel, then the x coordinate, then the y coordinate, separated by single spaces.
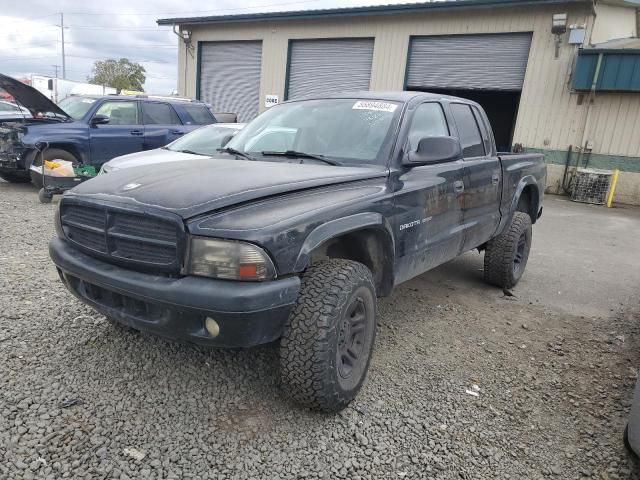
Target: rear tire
pixel 506 255
pixel 15 177
pixel 328 339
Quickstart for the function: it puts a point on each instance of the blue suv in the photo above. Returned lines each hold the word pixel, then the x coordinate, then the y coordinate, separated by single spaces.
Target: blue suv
pixel 90 130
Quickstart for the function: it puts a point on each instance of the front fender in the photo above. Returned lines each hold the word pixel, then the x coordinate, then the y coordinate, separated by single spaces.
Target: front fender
pixel 73 137
pixel 338 227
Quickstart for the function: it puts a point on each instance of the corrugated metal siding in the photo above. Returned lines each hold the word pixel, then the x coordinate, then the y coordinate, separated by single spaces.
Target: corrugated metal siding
pixel 549 115
pixel 230 77
pixel 329 66
pixel 614 126
pixel 486 62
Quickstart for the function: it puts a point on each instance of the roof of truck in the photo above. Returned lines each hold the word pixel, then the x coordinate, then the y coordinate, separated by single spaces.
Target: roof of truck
pixel 391 96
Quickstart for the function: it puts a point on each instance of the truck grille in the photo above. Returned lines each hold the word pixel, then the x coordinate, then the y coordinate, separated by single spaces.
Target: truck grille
pixel 124 237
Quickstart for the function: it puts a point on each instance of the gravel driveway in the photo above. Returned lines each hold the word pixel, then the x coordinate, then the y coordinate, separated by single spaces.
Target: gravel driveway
pixel 82 399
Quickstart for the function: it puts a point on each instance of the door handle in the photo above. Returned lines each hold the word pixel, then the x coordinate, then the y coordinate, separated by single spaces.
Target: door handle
pixel 495 178
pixel 137 133
pixel 458 186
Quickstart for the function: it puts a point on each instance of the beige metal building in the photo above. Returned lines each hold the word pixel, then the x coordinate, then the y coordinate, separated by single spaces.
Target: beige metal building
pixel 537 88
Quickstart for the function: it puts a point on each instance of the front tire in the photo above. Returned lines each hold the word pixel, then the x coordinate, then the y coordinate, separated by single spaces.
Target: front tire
pixel 328 340
pixel 506 256
pixel 50 154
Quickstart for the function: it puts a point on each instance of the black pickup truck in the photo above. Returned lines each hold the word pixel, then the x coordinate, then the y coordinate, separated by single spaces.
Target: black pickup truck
pixel 310 213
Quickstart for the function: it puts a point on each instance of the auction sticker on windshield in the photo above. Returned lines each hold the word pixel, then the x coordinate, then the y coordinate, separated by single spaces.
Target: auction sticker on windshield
pixel 377 106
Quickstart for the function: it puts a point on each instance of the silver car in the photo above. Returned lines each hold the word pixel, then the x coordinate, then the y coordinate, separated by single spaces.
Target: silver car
pixel 10 110
pixel 204 141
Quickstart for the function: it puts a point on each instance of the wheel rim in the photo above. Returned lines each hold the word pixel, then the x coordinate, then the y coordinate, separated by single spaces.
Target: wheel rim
pixel 519 257
pixel 352 338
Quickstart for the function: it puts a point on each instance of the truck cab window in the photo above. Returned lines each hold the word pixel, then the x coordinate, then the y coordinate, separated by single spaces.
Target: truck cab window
pixel 428 121
pixel 486 138
pixel 468 131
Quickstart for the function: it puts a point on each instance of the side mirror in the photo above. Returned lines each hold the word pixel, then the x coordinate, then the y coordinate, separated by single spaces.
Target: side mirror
pixel 226 139
pixel 99 120
pixel 435 150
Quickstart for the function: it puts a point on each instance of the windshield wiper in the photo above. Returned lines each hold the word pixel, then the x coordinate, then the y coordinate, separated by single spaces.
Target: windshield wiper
pixel 191 152
pixel 294 154
pixel 233 151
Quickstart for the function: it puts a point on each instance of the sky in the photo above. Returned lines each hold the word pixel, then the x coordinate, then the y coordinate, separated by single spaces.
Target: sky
pixel 30 36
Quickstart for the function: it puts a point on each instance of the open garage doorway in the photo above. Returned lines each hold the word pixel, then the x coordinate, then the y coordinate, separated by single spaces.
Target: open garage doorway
pixel 488 68
pixel 501 108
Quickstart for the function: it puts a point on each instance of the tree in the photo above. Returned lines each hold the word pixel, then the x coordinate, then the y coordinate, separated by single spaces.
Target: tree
pixel 120 74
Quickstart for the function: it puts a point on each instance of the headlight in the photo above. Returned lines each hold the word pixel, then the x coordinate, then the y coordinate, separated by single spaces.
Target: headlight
pixel 106 168
pixel 229 260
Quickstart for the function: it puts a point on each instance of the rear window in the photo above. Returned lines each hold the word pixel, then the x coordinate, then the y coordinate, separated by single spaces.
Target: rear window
pixel 472 145
pixel 159 114
pixel 200 114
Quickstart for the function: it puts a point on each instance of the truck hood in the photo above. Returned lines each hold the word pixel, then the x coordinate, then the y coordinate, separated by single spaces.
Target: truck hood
pixel 29 97
pixel 206 185
pixel 148 157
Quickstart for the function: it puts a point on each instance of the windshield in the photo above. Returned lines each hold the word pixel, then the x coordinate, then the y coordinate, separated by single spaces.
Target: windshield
pixel 203 141
pixel 76 107
pixel 347 130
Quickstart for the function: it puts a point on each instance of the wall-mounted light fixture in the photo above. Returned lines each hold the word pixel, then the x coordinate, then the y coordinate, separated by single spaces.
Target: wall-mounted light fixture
pixel 185 33
pixel 558 28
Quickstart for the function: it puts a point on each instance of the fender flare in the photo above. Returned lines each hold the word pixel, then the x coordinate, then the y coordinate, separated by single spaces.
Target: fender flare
pixel 341 226
pixel 522 184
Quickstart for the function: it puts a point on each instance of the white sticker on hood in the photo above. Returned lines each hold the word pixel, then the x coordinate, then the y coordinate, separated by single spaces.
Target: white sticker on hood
pixel 375 105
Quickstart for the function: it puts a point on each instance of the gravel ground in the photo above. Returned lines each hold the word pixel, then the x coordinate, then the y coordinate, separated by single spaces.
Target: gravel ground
pixel 81 399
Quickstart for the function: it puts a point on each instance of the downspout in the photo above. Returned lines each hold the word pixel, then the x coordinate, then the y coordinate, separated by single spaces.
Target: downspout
pixel 590 102
pixel 186 54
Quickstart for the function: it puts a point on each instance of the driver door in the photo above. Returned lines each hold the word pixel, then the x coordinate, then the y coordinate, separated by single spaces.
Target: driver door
pixel 428 202
pixel 123 134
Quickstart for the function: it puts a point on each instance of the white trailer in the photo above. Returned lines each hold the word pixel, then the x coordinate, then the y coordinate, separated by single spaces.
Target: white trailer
pixel 57 89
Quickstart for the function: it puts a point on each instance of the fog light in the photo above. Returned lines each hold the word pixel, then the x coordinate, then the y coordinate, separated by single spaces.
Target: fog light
pixel 212 327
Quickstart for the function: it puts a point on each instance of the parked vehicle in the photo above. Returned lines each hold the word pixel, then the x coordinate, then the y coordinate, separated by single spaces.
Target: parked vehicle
pixel 12 111
pixel 632 429
pixel 90 130
pixel 204 141
pixel 296 244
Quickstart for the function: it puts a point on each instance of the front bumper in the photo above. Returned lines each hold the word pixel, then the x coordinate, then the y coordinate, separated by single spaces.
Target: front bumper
pixel 15 159
pixel 248 313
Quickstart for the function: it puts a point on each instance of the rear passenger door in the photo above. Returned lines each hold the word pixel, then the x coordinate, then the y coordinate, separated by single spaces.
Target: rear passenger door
pixel 482 176
pixel 161 124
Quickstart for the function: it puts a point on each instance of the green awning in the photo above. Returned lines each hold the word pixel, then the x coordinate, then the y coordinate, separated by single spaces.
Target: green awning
pixel 607 70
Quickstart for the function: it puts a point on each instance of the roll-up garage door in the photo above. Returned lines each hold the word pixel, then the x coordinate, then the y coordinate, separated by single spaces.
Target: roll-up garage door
pixel 230 77
pixel 468 62
pixel 321 67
